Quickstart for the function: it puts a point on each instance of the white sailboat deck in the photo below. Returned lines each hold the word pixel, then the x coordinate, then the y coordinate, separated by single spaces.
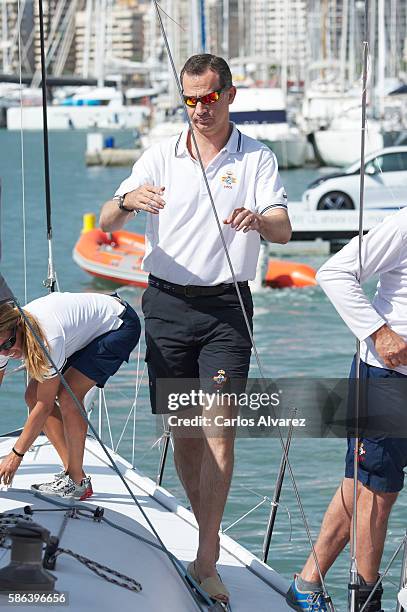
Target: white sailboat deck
pixel 253 585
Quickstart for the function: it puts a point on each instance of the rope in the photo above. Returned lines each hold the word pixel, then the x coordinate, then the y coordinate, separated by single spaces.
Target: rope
pixel 103 571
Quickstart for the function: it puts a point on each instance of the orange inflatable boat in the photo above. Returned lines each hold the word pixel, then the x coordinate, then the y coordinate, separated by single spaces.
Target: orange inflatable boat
pixel 117 257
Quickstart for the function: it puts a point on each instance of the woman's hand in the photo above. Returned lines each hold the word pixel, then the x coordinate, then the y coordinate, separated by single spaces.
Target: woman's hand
pixel 8 467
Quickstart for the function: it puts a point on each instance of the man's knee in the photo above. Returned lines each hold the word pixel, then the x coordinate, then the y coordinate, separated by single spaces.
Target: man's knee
pixel 222 448
pixel 379 501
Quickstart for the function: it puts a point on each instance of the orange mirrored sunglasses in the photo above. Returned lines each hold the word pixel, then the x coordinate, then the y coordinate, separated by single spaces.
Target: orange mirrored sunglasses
pixel 209 98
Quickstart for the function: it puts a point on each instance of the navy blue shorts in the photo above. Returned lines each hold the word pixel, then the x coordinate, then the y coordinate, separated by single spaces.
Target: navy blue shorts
pixel 381 459
pixel 203 339
pixel 102 357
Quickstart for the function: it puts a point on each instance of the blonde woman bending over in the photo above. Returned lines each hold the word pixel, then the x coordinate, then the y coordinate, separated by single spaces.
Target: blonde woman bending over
pixel 88 336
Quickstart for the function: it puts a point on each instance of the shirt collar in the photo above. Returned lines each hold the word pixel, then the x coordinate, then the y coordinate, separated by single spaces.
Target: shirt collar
pixel 233 145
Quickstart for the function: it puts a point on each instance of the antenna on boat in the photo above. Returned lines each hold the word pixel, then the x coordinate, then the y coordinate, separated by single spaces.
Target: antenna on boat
pixel 353 577
pixel 51 280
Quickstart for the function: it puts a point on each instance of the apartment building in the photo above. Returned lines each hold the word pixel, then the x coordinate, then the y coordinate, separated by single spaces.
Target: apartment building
pixel 9 47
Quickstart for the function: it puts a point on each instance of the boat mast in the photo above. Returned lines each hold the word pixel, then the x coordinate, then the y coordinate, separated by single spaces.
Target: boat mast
pixel 324 25
pixel 225 37
pixel 4 37
pixel 284 59
pixel 194 26
pixel 352 58
pixel 87 38
pixel 203 25
pixel 393 40
pixel 381 57
pixel 344 44
pixel 100 43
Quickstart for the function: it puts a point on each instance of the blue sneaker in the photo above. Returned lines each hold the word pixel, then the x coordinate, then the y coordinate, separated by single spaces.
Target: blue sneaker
pixel 305 601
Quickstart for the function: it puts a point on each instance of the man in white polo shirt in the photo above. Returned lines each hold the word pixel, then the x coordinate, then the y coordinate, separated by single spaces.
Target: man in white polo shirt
pixel 194 325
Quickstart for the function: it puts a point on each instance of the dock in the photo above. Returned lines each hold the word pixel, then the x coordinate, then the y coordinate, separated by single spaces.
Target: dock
pixel 325 231
pixel 109 156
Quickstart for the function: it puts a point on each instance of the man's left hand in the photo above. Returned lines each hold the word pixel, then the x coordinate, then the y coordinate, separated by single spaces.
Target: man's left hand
pixel 244 219
pixel 9 467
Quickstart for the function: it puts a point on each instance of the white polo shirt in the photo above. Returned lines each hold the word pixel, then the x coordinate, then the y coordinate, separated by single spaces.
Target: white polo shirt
pixel 183 245
pixel 70 321
pixel 384 254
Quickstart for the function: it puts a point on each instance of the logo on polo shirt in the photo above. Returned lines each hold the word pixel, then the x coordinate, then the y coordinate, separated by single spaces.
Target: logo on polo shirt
pixel 228 179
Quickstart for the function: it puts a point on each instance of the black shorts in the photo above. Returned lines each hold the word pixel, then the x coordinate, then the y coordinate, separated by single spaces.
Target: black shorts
pixel 201 338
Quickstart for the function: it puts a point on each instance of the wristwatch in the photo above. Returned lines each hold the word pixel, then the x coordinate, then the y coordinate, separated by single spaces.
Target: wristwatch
pixel 120 203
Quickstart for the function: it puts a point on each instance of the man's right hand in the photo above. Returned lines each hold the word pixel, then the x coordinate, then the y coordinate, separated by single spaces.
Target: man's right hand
pixel 146 197
pixel 391 347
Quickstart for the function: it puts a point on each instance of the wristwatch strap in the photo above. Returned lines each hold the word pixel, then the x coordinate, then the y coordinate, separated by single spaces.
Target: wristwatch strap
pixel 120 203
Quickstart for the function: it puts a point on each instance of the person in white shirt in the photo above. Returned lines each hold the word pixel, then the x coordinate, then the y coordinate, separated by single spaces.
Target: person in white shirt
pixel 381 327
pixel 87 336
pixel 194 324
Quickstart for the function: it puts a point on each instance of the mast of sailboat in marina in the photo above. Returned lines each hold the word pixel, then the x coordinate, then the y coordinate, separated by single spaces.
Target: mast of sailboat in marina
pixel 4 36
pixel 87 38
pixel 225 34
pixel 381 55
pixel 344 45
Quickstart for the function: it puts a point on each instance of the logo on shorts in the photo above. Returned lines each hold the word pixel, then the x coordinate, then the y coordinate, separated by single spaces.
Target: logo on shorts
pixel 361 452
pixel 220 378
pixel 228 179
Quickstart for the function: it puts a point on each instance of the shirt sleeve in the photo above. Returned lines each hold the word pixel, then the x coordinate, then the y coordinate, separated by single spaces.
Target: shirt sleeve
pixel 56 347
pixel 270 192
pixel 142 173
pixel 339 276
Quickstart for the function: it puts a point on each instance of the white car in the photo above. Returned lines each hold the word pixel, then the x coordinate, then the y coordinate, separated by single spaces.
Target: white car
pixel 385 184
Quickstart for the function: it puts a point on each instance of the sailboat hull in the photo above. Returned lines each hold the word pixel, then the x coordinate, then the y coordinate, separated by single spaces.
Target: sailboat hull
pixel 253 585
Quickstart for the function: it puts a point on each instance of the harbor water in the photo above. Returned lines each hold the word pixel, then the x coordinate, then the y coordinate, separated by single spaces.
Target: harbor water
pixel 297 332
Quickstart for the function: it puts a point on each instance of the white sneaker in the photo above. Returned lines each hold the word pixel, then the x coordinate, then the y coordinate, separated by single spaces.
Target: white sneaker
pixel 65 487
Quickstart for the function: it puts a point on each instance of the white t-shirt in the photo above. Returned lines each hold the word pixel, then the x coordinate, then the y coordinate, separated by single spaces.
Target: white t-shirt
pixel 183 245
pixel 384 253
pixel 70 321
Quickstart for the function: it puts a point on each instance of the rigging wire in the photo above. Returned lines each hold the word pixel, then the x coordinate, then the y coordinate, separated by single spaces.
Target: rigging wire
pixel 19 17
pixel 199 159
pixel 50 281
pixel 353 571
